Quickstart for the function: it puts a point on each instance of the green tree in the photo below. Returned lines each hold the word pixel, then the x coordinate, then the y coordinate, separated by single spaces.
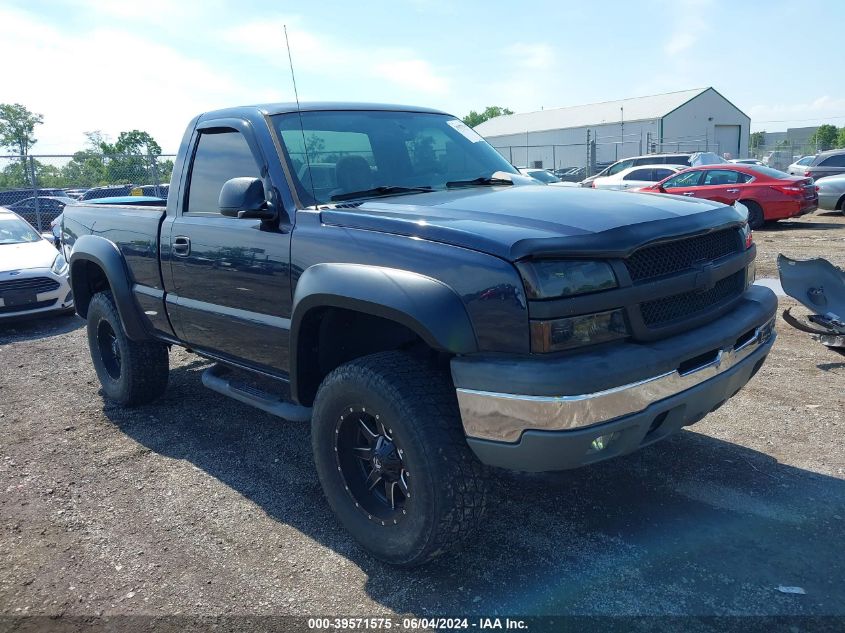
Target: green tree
pixel 17 132
pixel 474 118
pixel 87 168
pixel 840 138
pixel 758 139
pixel 825 137
pixel 131 158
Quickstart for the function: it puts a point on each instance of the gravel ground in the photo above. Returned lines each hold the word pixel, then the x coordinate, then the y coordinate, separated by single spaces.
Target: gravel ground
pixel 201 505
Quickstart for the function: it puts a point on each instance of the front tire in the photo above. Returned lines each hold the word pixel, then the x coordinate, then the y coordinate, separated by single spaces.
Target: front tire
pixel 392 458
pixel 130 372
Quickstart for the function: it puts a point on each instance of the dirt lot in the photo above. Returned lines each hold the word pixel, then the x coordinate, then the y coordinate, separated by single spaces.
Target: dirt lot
pixel 201 505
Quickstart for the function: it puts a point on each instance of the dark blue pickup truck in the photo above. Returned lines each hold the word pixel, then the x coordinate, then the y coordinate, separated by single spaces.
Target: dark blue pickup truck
pixel 384 273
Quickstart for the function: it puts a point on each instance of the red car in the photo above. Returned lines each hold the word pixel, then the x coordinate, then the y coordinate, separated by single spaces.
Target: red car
pixel 769 194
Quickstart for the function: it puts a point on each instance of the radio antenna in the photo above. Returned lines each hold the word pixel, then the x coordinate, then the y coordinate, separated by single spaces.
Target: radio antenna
pixel 299 112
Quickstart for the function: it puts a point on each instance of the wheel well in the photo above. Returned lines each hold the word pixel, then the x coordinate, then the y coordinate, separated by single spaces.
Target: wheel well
pixel 841 204
pixel 330 337
pixel 87 279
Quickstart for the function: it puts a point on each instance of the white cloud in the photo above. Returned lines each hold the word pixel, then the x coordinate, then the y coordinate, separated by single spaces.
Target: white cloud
pixel 679 42
pixel 779 116
pixel 321 56
pixel 108 79
pixel 415 74
pixel 534 56
pixel 688 25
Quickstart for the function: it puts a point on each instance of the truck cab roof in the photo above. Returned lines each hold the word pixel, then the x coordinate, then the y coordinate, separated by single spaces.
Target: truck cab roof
pixel 309 106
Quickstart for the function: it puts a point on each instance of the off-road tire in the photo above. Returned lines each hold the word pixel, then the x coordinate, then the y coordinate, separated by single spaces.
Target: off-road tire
pixel 756 219
pixel 448 485
pixel 142 367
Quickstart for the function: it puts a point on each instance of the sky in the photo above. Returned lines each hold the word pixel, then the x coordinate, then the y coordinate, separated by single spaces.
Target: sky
pixel 114 65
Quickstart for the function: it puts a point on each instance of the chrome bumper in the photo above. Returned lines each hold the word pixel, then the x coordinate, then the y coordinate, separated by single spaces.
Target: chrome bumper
pixel 503 417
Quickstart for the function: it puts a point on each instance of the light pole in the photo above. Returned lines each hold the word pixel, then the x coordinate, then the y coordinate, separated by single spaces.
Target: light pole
pixel 622 126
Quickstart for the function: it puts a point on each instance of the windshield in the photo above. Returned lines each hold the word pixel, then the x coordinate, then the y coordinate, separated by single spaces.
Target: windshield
pixel 381 153
pixel 13 230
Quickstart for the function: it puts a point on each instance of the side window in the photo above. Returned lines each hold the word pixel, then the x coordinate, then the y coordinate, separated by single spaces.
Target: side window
pixel 806 160
pixel 638 174
pixel 220 156
pixel 660 174
pixel 837 160
pixel 716 177
pixel 689 179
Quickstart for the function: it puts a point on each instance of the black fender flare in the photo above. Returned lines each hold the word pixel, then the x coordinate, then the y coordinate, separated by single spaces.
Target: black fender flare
pixel 106 255
pixel 426 306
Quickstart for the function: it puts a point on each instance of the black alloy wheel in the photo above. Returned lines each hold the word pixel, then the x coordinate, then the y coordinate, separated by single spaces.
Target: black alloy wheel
pixel 370 460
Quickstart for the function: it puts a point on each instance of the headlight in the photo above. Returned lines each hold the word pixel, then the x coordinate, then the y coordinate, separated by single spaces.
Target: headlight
pixel 59 266
pixel 548 278
pixel 588 329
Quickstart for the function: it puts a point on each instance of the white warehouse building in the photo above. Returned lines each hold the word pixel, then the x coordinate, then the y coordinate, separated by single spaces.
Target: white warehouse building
pixel 689 120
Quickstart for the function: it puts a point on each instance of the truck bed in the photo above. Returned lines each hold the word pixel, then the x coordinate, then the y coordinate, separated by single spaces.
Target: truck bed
pixel 133 228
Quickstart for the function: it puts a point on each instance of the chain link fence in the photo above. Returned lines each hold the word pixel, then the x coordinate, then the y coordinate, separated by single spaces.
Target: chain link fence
pixel 39 187
pixel 782 155
pixel 575 161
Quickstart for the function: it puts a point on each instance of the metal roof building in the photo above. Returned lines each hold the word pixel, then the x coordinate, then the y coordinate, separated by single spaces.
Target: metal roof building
pixel 688 120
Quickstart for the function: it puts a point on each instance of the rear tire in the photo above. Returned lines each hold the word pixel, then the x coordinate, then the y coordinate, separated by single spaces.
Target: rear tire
pixel 130 372
pixel 392 458
pixel 756 219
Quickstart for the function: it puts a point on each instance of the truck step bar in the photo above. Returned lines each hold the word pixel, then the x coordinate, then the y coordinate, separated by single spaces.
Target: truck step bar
pixel 215 378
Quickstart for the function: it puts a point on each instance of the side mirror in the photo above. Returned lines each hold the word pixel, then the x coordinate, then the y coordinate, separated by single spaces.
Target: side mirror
pixel 244 198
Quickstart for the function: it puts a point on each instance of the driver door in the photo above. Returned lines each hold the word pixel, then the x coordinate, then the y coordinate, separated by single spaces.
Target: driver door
pixel 230 278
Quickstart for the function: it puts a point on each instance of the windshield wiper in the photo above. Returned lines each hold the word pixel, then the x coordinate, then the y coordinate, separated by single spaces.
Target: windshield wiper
pixel 377 191
pixel 479 181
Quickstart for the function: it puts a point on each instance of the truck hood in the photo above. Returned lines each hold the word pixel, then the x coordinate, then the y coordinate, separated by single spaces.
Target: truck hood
pixel 40 254
pixel 514 222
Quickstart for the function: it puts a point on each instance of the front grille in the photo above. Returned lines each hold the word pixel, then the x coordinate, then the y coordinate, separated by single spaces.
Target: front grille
pixel 32 284
pixel 679 256
pixel 661 312
pixel 28 306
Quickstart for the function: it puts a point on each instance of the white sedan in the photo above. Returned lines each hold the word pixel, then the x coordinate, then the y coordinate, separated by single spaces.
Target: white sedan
pixel 636 177
pixel 33 274
pixel 544 176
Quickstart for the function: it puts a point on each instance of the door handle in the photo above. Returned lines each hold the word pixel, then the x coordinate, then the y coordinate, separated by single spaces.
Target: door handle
pixel 732 190
pixel 688 193
pixel 181 246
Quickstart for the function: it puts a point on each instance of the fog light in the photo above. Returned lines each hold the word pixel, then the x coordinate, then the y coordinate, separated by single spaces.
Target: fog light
pixel 750 274
pixel 602 442
pixel 570 332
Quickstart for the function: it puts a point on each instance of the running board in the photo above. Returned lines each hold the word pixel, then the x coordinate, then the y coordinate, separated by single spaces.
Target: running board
pixel 214 379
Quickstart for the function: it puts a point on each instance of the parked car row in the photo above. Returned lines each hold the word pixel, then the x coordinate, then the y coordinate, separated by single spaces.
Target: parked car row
pixel 768 194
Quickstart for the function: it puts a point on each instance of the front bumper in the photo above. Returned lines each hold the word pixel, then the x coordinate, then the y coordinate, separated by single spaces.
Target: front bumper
pixel 56 299
pixel 630 404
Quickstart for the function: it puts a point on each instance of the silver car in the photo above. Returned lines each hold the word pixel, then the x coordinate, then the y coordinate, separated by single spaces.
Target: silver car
pixel 829 163
pixel 831 192
pixel 799 167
